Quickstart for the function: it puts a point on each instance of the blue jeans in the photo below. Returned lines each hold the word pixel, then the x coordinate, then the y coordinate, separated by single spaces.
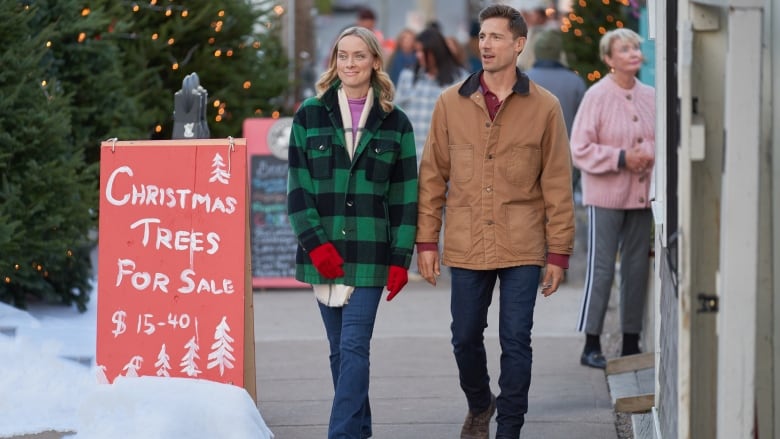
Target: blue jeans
pixel 349 331
pixel 472 293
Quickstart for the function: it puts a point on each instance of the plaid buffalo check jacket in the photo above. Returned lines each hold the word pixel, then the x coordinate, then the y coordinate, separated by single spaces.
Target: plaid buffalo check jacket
pixel 367 206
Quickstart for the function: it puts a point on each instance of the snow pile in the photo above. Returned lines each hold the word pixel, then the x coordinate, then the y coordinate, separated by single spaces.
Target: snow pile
pixel 159 407
pixel 38 390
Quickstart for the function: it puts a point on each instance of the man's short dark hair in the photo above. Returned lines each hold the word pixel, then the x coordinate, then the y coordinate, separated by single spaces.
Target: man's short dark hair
pixel 517 24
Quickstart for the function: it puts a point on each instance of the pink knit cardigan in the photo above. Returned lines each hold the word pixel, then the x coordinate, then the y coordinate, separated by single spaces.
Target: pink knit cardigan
pixel 611 119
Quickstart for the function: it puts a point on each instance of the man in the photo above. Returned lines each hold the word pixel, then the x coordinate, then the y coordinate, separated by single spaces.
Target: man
pixel 551 74
pixel 498 157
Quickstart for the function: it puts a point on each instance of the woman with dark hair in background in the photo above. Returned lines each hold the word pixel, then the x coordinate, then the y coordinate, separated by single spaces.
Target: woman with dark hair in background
pixel 418 88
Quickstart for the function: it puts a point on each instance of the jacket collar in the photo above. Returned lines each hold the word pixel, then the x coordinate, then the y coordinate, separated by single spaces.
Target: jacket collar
pixel 472 84
pixel 330 101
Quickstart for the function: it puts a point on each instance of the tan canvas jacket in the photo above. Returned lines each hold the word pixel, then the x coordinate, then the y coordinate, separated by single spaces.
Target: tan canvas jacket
pixel 507 181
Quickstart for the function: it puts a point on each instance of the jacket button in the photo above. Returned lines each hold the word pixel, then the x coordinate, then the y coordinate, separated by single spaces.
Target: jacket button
pixel 641 199
pixel 640 140
pixel 628 97
pixel 489 189
pixel 642 179
pixel 343 231
pixel 322 148
pixel 490 156
pixel 350 203
pixel 487 124
pixel 635 118
pixel 376 150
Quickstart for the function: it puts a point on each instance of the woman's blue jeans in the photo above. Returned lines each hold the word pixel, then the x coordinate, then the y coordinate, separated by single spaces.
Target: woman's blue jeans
pixel 472 293
pixel 349 331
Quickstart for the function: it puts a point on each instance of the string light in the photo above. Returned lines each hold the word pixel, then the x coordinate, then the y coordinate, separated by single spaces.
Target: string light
pixel 217 53
pixel 158 128
pixel 85 12
pixel 247 84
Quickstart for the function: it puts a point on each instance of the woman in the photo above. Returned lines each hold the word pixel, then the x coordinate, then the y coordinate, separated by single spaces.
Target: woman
pixel 613 144
pixel 403 56
pixel 420 87
pixel 352 202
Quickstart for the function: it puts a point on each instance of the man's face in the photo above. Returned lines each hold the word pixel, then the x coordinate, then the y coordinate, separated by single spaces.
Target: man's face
pixel 497 46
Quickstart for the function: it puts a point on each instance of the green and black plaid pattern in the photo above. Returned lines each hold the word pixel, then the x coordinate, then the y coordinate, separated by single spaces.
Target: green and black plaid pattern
pixel 366 207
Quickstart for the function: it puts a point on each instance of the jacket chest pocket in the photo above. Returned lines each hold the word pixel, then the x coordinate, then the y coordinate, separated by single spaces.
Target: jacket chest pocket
pixel 381 157
pixel 523 165
pixel 319 152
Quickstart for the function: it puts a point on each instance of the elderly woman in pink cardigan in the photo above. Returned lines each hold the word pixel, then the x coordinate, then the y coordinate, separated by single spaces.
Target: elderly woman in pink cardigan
pixel 613 144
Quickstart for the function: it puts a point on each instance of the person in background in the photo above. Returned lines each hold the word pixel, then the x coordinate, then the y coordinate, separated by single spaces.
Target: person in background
pixel 352 203
pixel 535 15
pixel 497 158
pixel 550 73
pixel 403 56
pixel 420 87
pixel 613 144
pixel 473 58
pixel 566 85
pixel 367 18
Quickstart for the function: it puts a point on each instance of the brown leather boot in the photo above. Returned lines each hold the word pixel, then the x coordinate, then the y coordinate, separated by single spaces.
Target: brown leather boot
pixel 477 425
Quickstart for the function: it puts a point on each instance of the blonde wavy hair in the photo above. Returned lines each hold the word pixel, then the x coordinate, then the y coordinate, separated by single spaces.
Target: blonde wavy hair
pixel 380 80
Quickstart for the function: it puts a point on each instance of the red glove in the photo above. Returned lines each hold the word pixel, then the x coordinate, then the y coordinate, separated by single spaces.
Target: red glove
pixel 397 277
pixel 327 261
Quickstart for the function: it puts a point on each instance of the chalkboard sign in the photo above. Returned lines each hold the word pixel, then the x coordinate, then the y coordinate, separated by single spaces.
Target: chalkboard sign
pixel 273 243
pixel 172 259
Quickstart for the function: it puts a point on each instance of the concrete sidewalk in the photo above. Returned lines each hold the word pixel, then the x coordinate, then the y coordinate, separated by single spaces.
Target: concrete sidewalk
pixel 414 381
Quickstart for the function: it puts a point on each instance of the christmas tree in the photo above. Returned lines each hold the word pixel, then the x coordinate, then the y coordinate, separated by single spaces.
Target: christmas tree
pixel 232 45
pixel 90 70
pixel 47 191
pixel 583 28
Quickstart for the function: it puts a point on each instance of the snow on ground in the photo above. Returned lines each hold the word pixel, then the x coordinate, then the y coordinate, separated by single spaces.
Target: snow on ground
pixel 48 381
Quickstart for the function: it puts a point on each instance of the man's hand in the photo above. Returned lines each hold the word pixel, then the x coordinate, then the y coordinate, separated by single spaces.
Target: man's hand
pixel 553 275
pixel 428 264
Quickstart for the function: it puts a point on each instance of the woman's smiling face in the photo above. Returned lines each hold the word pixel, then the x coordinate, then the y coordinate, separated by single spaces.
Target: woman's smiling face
pixel 355 63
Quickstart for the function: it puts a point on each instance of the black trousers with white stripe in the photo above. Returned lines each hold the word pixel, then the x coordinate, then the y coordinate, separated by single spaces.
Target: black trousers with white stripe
pixel 610 231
